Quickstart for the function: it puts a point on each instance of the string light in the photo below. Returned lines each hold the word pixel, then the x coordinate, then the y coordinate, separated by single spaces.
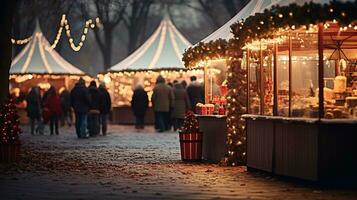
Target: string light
pixel 21 42
pixel 65 25
pixel 121 84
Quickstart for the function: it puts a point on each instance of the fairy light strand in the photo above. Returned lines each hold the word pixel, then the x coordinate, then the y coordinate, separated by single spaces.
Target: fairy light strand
pixel 64 24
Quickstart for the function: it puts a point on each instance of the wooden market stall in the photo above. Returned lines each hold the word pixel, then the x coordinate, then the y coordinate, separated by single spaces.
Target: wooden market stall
pixel 159 55
pixel 302 90
pixel 213 54
pixel 40 65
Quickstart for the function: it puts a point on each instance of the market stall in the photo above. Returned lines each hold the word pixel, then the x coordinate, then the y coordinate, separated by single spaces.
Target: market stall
pixel 159 55
pixel 39 64
pixel 302 90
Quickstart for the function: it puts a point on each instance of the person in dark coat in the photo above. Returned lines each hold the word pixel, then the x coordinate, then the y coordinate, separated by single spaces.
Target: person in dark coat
pixel 195 93
pixel 34 110
pixel 94 109
pixel 139 105
pixel 105 107
pixel 80 103
pixel 53 104
pixel 181 105
pixel 66 117
pixel 162 100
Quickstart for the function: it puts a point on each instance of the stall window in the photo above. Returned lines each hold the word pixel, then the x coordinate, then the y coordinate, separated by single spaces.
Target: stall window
pixel 267 79
pixel 254 82
pixel 216 81
pixel 340 78
pixel 283 78
pixel 304 80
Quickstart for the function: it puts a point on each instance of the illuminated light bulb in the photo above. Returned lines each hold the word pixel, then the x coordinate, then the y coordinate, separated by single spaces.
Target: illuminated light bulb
pixel 331 10
pixel 290 14
pixel 280 15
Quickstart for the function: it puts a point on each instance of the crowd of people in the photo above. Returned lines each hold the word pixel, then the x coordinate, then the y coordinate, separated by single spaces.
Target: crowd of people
pixel 90 105
pixel 170 102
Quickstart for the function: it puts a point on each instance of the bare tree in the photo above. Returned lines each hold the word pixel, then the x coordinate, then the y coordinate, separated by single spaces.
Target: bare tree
pixel 111 13
pixel 135 21
pixel 216 10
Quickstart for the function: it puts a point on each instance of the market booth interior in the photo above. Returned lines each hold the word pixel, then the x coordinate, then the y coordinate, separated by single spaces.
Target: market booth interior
pixel 302 92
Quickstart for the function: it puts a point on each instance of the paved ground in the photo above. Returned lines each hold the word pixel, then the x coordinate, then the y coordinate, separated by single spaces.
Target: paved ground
pixel 136 165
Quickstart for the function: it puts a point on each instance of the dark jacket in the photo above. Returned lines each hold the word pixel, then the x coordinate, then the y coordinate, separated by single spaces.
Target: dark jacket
pixel 182 103
pixel 95 97
pixel 139 102
pixel 162 98
pixel 106 101
pixel 53 104
pixel 33 108
pixel 65 97
pixel 80 98
pixel 195 93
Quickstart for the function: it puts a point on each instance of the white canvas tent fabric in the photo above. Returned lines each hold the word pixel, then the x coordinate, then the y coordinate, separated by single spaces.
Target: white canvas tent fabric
pixel 254 6
pixel 163 50
pixel 37 58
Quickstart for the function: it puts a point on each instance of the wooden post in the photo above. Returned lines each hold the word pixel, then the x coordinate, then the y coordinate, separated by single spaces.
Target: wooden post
pixel 321 70
pixel 275 81
pixel 290 73
pixel 262 82
pixel 248 81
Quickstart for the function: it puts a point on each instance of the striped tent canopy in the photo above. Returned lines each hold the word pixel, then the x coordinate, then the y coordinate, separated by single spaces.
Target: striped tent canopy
pixel 38 58
pixel 254 6
pixel 163 50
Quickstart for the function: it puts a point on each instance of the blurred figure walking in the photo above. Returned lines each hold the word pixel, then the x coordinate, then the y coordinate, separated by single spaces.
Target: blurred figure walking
pixel 80 103
pixel 139 105
pixel 66 116
pixel 162 100
pixel 53 104
pixel 94 109
pixel 34 110
pixel 181 105
pixel 105 107
pixel 195 93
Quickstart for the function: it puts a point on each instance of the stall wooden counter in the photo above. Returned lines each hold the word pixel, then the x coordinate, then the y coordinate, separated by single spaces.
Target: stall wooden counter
pixel 306 148
pixel 214 128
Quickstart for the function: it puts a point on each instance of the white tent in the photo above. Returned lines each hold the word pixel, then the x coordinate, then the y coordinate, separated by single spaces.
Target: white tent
pixel 163 50
pixel 254 6
pixel 38 58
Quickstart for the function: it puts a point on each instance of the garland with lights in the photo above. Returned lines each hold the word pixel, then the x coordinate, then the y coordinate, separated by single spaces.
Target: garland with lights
pixel 65 25
pixel 9 123
pixel 236 107
pixel 267 24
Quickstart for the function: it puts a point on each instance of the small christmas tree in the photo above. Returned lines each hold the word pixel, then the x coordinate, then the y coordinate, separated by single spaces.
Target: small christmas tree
pixel 9 123
pixel 190 125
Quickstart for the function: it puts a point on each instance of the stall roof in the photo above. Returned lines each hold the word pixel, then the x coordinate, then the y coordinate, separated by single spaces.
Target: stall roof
pixel 163 50
pixel 254 6
pixel 38 58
